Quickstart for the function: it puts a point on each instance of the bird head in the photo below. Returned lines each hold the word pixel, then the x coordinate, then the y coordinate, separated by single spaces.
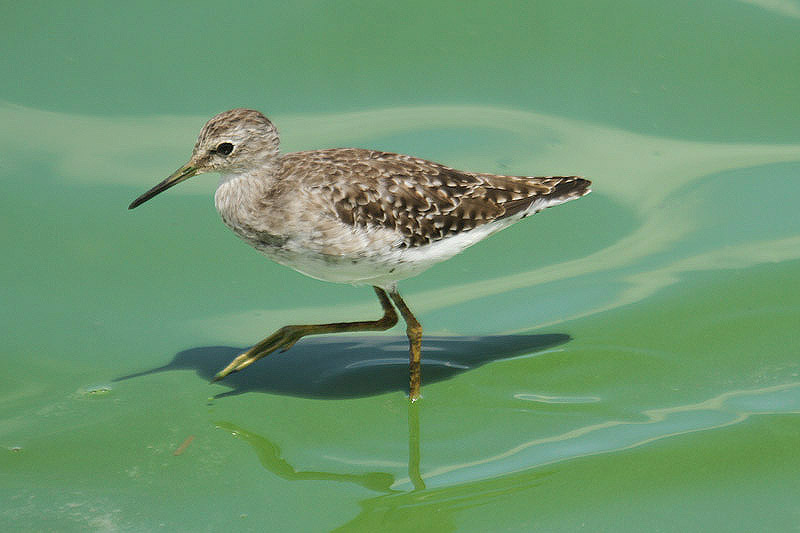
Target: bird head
pixel 231 142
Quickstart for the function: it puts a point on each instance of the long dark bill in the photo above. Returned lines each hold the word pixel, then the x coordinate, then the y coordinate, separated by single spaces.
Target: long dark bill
pixel 183 173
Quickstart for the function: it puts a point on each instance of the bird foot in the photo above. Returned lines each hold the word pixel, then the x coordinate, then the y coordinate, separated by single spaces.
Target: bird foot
pixel 282 340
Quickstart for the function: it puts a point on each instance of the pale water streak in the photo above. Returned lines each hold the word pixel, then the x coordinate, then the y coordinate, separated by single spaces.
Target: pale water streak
pixel 615 435
pixel 643 173
pixel 640 172
pixel 787 8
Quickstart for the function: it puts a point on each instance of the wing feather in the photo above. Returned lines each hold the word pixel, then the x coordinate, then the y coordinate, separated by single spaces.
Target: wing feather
pixel 421 200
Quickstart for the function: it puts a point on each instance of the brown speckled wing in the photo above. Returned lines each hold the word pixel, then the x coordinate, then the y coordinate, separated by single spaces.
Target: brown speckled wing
pixel 423 201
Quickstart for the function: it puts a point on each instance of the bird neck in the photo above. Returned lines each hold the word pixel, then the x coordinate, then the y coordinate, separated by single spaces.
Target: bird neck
pixel 238 195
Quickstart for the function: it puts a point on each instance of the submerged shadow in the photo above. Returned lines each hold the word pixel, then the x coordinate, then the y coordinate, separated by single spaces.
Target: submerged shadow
pixel 269 454
pixel 348 367
pixel 406 504
pixel 271 458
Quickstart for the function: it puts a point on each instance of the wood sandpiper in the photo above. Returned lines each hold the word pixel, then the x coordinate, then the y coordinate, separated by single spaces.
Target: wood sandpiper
pixel 355 216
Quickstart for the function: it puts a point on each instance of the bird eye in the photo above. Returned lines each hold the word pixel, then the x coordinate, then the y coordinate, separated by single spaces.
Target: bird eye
pixel 224 148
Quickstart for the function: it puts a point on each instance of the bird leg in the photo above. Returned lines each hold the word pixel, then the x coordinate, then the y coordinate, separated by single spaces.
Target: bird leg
pixel 285 337
pixel 414 332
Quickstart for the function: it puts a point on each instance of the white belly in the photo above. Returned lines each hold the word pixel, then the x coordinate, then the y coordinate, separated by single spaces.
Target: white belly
pixel 380 267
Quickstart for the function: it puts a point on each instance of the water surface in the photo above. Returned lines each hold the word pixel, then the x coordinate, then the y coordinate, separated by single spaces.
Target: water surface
pixel 628 361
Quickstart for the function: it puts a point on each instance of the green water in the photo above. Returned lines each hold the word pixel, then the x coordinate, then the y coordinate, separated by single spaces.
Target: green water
pixel 626 362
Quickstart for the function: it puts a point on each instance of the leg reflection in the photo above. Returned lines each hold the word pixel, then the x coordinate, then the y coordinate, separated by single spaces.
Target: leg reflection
pixel 269 454
pixel 413 446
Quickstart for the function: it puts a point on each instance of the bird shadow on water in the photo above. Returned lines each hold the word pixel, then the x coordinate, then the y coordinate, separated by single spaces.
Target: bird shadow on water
pixel 351 367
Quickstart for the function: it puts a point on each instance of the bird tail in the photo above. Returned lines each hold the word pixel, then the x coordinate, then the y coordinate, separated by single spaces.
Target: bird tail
pixel 568 188
pixel 557 190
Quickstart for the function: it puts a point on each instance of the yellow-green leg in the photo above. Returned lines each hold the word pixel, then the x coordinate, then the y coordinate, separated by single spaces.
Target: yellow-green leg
pixel 285 337
pixel 414 332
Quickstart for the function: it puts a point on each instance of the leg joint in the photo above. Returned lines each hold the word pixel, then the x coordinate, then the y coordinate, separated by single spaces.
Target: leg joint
pixel 389 319
pixel 414 332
